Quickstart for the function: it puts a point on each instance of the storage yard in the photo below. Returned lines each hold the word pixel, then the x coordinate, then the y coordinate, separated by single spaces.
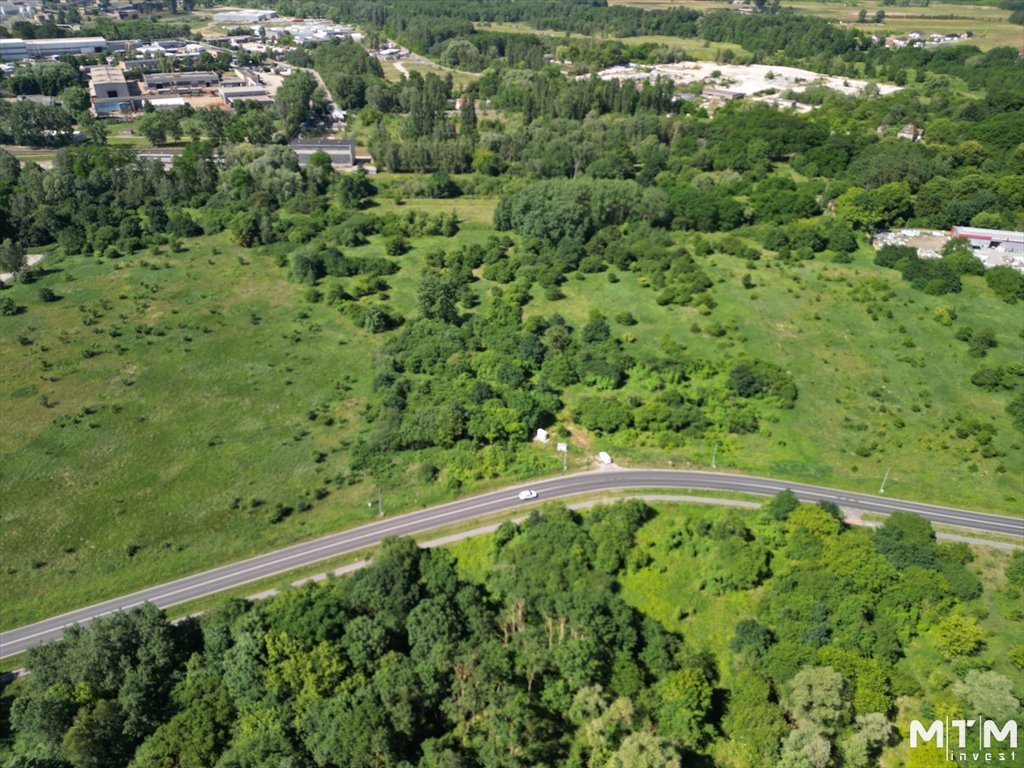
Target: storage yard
pixel 743 81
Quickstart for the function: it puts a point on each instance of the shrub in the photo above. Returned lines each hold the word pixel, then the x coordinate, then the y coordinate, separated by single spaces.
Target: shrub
pixel 891 255
pixel 396 246
pixel 183 225
pixel 1006 282
pixel 8 307
pixel 752 377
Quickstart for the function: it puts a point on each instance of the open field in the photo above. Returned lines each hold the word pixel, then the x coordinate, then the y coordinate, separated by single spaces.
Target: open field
pixel 160 416
pixel 143 403
pixel 701 50
pixel 394 71
pixel 878 387
pixel 426 66
pixel 988 23
pixel 155 417
pixel 391 72
pixel 670 589
pixel 474 213
pixel 118 134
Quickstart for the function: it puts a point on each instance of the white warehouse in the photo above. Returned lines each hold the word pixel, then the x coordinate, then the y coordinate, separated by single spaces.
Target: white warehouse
pixel 1005 240
pixel 243 17
pixel 16 49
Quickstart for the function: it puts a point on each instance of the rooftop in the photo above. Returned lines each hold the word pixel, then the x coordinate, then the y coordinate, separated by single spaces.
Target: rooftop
pixel 167 101
pixel 241 90
pixel 994 234
pixel 106 75
pixel 171 76
pixel 68 41
pixel 321 143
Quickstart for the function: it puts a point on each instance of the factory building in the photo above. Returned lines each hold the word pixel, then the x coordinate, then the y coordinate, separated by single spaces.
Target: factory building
pixel 342 152
pixel 108 91
pixel 1001 239
pixel 177 82
pixel 16 49
pixel 243 17
pixel 235 93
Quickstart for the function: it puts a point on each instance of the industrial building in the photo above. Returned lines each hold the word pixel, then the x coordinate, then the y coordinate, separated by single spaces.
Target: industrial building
pixel 243 17
pixel 235 93
pixel 341 151
pixel 1001 239
pixel 108 91
pixel 143 64
pixel 111 93
pixel 310 31
pixel 178 82
pixel 14 10
pixel 165 155
pixel 16 49
pixel 107 83
pixel 721 93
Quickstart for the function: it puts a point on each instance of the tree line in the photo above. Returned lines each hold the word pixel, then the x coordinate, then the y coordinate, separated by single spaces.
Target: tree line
pixel 538 659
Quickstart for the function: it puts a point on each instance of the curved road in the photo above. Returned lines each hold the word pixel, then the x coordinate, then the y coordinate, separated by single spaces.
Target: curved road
pixel 282 560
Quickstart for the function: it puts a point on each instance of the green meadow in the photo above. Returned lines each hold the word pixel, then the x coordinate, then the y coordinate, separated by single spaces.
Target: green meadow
pixel 700 50
pixel 882 383
pixel 988 23
pixel 177 410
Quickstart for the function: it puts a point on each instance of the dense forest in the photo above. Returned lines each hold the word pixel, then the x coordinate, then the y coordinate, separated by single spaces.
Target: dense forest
pixel 410 663
pixel 539 658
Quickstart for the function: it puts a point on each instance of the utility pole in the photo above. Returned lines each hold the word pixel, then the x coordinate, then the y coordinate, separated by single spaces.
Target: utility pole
pixel 714 456
pixel 882 489
pixel 380 508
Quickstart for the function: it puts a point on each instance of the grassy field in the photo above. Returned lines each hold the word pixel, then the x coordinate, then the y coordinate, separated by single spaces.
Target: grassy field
pixel 699 49
pixel 425 66
pixel 896 382
pixel 139 406
pixel 670 589
pixel 390 71
pixel 476 214
pixel 988 23
pixel 155 417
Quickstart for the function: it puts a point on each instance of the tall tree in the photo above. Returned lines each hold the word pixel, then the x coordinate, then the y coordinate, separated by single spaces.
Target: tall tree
pixel 293 100
pixel 468 115
pixel 12 256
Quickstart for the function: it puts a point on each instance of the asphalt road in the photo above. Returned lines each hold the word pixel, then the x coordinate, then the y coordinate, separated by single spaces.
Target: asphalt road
pixel 333 545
